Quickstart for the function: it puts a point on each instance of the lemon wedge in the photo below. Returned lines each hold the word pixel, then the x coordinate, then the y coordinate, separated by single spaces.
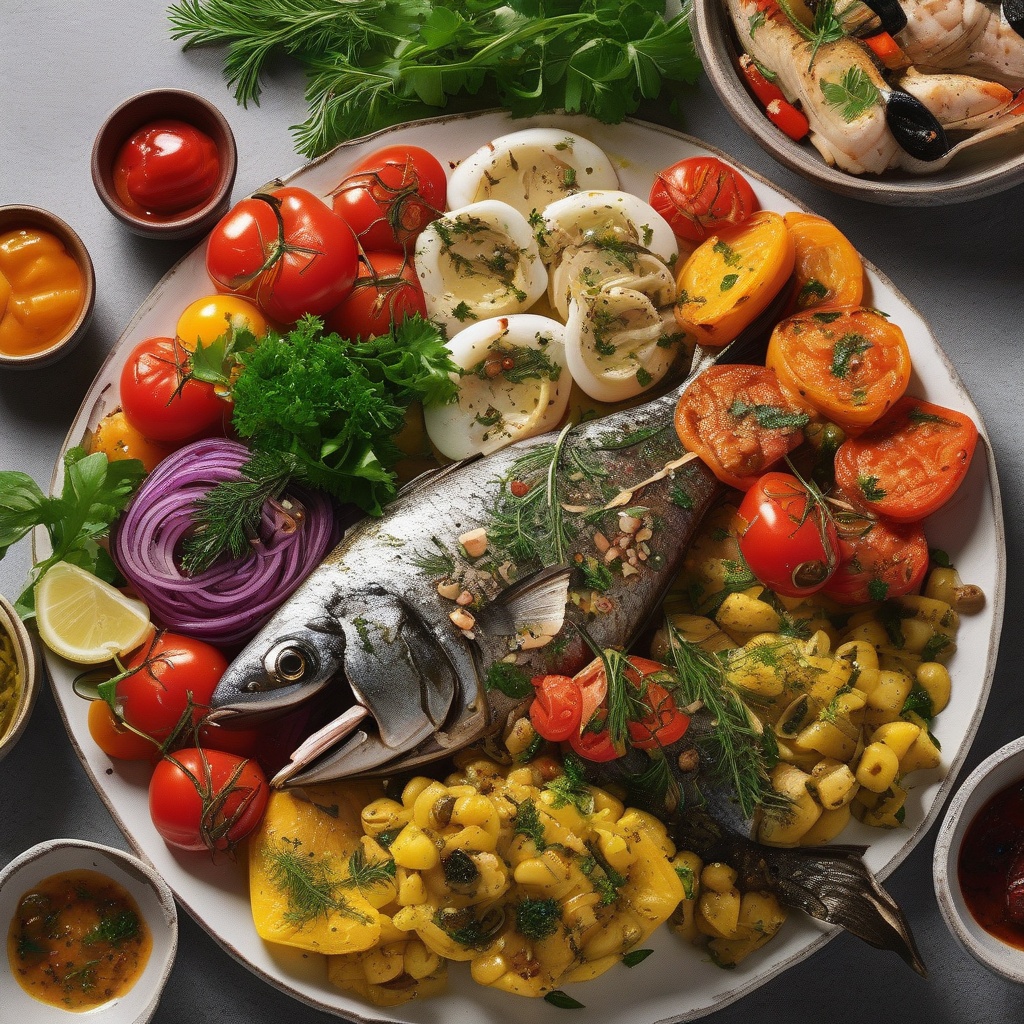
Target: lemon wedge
pixel 85 620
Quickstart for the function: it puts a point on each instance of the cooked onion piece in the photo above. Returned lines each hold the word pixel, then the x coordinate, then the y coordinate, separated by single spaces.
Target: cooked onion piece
pixel 618 221
pixel 514 385
pixel 618 343
pixel 593 267
pixel 530 169
pixel 477 262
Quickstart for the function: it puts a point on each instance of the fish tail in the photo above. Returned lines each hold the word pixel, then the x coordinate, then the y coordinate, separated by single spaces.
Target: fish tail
pixel 833 884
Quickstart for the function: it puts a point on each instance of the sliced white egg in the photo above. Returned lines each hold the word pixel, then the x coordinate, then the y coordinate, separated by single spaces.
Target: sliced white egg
pixel 618 343
pixel 514 384
pixel 530 169
pixel 478 262
pixel 593 267
pixel 617 221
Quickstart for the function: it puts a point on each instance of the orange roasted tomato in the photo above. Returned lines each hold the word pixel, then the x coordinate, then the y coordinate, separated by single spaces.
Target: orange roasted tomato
pixel 828 270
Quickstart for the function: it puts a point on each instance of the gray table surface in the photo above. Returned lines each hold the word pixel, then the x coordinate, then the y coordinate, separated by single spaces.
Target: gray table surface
pixel 64 65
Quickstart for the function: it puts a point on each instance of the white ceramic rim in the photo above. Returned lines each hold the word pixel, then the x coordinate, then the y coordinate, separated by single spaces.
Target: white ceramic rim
pixel 959 815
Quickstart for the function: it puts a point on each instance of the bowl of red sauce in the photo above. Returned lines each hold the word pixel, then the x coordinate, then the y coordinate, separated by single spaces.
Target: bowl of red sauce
pixel 979 863
pixel 88 930
pixel 47 287
pixel 164 163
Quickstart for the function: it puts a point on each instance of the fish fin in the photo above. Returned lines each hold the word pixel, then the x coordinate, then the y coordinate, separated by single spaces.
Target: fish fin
pixel 833 884
pixel 319 742
pixel 536 601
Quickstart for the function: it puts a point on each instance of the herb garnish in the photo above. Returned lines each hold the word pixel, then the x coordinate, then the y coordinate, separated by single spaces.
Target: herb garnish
pixel 844 350
pixel 869 487
pixel 114 929
pixel 854 94
pixel 771 417
pixel 510 679
pixel 312 887
pixel 537 918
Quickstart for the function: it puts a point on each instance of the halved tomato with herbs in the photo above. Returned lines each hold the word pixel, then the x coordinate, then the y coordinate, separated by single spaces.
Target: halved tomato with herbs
pixel 664 725
pixel 910 462
pixel 701 194
pixel 737 419
pixel 885 560
pixel 390 196
pixel 790 542
pixel 851 365
pixel 206 799
pixel 386 291
pixel 287 251
pixel 828 270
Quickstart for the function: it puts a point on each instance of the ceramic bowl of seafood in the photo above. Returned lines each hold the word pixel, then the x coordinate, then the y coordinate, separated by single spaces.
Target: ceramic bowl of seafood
pixel 890 101
pixel 114 921
pixel 979 863
pixel 19 677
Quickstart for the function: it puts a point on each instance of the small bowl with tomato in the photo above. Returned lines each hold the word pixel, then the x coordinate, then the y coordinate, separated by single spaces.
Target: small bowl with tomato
pixel 118 934
pixel 978 866
pixel 47 287
pixel 164 164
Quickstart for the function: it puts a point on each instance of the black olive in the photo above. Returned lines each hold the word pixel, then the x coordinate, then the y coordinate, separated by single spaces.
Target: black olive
pixel 915 127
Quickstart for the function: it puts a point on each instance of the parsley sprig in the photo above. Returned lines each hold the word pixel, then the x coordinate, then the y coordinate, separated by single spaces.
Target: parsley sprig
pixel 374 63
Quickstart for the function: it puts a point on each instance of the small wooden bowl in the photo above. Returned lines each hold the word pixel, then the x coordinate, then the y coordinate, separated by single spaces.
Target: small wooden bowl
pixel 1002 769
pixel 982 170
pixel 134 113
pixel 27 666
pixel 156 906
pixel 14 217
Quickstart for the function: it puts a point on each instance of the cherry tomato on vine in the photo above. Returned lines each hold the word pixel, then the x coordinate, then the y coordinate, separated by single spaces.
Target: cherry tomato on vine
pixel 390 196
pixel 157 402
pixel 208 318
pixel 287 251
pixel 163 674
pixel 700 194
pixel 790 543
pixel 887 560
pixel 556 709
pixel 206 799
pixel 386 291
pixel 114 739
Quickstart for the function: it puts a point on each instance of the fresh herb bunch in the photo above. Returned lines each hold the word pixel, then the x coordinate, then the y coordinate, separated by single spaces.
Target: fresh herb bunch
pixel 317 409
pixel 94 493
pixel 374 63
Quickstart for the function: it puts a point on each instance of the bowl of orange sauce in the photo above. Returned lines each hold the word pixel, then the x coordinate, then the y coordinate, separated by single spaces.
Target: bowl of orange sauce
pixel 47 287
pixel 88 929
pixel 979 863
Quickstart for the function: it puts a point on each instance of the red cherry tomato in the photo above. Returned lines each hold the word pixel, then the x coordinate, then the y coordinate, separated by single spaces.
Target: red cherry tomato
pixel 386 292
pixel 595 742
pixel 206 799
pixel 157 403
pixel 164 674
pixel 166 167
pixel 664 725
pixel 700 194
pixel 790 542
pixel 389 197
pixel 556 708
pixel 287 251
pixel 888 560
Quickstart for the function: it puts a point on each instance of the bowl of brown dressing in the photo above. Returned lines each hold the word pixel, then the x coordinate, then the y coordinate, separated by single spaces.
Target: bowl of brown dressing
pixel 979 863
pixel 164 163
pixel 89 930
pixel 47 287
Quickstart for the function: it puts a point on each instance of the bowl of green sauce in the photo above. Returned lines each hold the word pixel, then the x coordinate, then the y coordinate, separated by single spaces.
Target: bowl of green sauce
pixel 19 677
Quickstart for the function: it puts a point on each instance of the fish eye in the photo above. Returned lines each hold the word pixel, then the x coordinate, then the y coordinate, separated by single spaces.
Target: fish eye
pixel 289 663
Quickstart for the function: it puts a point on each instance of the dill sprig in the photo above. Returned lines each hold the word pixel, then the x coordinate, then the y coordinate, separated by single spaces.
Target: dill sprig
pixel 312 887
pixel 440 562
pixel 733 746
pixel 366 874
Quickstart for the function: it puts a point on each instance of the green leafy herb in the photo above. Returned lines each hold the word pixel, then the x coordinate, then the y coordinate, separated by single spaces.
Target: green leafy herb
pixel 771 417
pixel 571 786
pixel 439 562
pixel 854 94
pixel 94 493
pixel 526 821
pixel 826 27
pixel 527 364
pixel 510 679
pixel 844 350
pixel 918 702
pixel 537 918
pixel 940 558
pixel 869 488
pixel 564 1002
pixel 728 281
pixel 934 646
pixel 312 887
pixel 636 956
pixel 689 879
pixel 878 590
pixel 365 874
pixel 729 255
pixel 114 929
pixel 374 63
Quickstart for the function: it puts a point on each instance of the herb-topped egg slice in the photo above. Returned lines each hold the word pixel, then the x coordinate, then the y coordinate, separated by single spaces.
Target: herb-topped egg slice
pixel 477 262
pixel 617 221
pixel 513 385
pixel 530 169
pixel 618 343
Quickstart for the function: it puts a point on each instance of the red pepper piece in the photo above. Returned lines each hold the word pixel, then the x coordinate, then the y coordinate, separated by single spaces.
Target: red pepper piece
pixel 762 88
pixel 784 115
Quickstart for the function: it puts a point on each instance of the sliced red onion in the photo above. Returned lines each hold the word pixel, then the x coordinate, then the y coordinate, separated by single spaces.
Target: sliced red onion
pixel 228 603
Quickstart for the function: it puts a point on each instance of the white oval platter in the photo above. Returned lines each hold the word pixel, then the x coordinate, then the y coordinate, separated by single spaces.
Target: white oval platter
pixel 676 983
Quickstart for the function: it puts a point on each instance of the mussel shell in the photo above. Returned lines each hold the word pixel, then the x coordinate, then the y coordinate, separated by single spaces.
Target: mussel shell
pixel 914 126
pixel 892 15
pixel 1013 11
